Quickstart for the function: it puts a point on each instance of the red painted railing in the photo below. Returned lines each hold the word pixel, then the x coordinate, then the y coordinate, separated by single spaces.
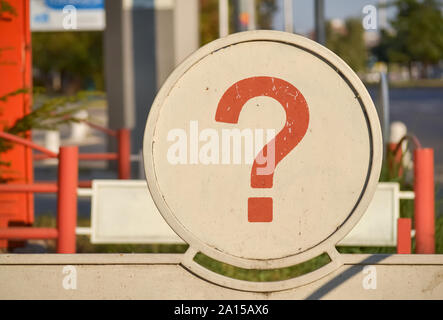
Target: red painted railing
pixel 122 156
pixel 66 189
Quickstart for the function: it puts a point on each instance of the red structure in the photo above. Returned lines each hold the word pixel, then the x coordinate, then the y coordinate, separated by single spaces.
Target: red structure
pixel 424 204
pixel 15 74
pixel 124 153
pixel 404 226
pixel 66 190
pixel 67 199
pixel 424 201
pixel 16 197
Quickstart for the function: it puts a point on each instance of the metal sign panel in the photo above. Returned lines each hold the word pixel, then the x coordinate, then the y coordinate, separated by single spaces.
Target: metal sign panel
pixel 378 226
pixel 123 212
pixel 271 212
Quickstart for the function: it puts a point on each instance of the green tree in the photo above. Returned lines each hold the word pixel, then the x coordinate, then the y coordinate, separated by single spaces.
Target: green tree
pixel 208 21
pixel 78 55
pixel 265 10
pixel 380 51
pixel 348 43
pixel 417 34
pixel 47 114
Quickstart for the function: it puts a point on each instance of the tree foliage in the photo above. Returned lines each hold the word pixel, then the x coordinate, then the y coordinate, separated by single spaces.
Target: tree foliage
pixel 47 114
pixel 265 10
pixel 78 55
pixel 349 44
pixel 417 34
pixel 208 21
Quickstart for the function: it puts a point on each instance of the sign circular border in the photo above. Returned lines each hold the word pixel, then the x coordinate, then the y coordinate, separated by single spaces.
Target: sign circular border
pixel 374 131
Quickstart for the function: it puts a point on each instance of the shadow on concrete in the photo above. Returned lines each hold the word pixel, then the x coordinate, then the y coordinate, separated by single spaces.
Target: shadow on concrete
pixel 346 275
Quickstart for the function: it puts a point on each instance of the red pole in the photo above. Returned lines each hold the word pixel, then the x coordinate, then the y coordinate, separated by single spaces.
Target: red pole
pixel 424 207
pixel 21 233
pixel 98 156
pixel 100 128
pixel 124 153
pixel 84 156
pixel 404 236
pixel 35 187
pixel 67 199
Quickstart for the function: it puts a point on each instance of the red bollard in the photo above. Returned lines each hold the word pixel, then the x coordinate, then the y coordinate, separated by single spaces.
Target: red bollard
pixel 404 235
pixel 424 204
pixel 124 153
pixel 67 199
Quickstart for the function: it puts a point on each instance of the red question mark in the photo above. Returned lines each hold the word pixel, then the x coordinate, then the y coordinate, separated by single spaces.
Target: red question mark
pixel 297 121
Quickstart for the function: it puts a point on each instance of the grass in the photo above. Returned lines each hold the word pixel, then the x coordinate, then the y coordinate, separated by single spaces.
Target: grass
pixel 262 275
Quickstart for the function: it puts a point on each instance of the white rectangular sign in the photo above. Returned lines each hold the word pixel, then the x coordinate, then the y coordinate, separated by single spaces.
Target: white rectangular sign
pixel 123 212
pixel 378 226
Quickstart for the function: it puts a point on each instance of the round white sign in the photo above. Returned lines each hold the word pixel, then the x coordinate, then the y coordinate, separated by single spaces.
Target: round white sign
pixel 261 147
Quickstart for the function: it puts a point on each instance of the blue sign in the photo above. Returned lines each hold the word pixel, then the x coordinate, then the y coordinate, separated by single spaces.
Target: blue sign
pixel 78 4
pixel 48 15
pixel 41 18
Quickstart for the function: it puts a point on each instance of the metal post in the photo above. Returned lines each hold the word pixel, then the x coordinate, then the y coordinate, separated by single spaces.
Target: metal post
pixel 382 17
pixel 67 199
pixel 251 12
pixel 289 16
pixel 404 236
pixel 245 15
pixel 124 154
pixel 382 107
pixel 424 204
pixel 320 33
pixel 186 29
pixel 223 18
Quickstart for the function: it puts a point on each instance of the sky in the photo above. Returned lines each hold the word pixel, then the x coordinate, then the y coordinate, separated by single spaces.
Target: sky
pixel 304 12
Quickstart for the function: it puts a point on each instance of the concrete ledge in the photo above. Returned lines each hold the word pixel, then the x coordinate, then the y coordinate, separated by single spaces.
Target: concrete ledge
pixel 161 276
